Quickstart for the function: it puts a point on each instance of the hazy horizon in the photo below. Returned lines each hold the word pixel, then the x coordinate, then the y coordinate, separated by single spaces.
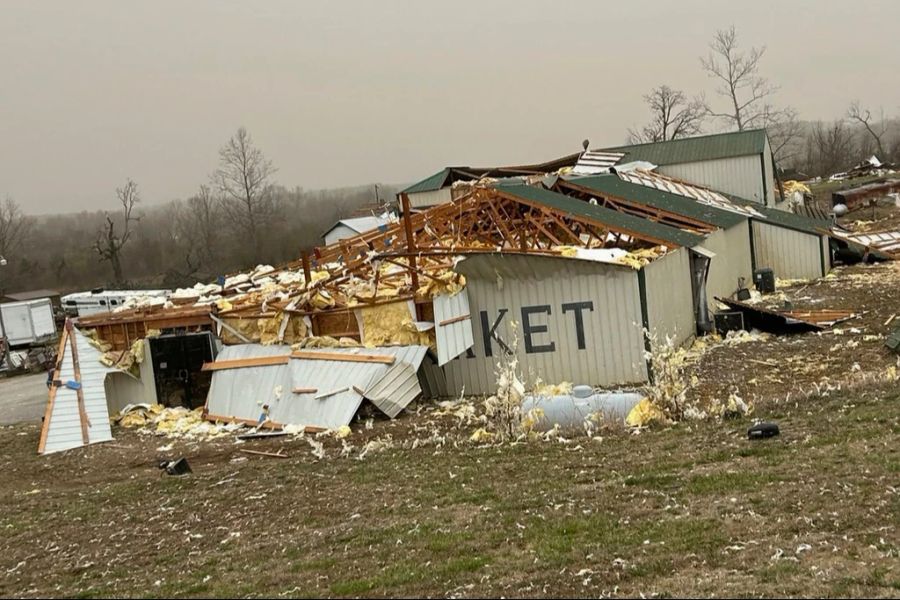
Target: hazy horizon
pixel 349 94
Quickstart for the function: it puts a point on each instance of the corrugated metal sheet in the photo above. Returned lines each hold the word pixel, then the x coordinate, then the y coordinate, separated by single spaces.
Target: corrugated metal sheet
pixel 670 304
pixel 242 393
pixel 611 218
pixel 430 198
pixel 697 148
pixel 885 241
pixel 337 233
pixel 64 426
pixel 551 296
pixel 794 221
pixel 596 161
pixel 741 176
pixel 453 338
pixel 664 193
pixel 791 254
pixel 395 389
pixel 429 184
pixel 732 261
pixel 700 194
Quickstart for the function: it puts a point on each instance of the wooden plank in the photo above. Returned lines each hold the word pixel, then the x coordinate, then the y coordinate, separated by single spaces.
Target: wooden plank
pixel 340 356
pixel 79 393
pixel 228 327
pixel 454 320
pixel 51 397
pixel 259 361
pixel 333 392
pixel 261 453
pixel 257 424
pixel 304 390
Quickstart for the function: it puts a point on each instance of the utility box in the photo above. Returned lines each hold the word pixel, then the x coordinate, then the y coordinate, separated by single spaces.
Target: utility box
pixel 28 322
pixel 764 280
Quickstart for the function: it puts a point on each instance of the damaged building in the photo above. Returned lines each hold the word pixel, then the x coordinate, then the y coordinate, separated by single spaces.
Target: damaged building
pixel 575 266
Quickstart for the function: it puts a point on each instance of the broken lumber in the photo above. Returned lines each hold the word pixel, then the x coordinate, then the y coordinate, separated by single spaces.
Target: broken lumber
pixel 261 453
pixel 259 361
pixel 342 357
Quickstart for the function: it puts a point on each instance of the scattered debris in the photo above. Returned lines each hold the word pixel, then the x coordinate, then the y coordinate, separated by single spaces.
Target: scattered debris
pixel 175 467
pixel 278 454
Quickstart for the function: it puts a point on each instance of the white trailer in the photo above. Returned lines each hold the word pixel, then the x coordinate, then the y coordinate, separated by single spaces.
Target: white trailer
pixel 28 322
pixel 82 304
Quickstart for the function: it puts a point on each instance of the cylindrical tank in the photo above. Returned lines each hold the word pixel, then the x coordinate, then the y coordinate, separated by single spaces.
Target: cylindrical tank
pixel 572 410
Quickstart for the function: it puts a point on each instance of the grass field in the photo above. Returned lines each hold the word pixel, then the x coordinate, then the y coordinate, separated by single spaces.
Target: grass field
pixel 695 509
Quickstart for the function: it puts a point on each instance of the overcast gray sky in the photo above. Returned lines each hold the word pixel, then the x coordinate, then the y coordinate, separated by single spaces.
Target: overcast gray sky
pixel 346 93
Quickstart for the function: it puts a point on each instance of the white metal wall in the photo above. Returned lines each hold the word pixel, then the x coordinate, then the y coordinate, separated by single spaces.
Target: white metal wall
pixel 64 426
pixel 433 198
pixel 741 175
pixel 610 350
pixel 732 261
pixel 339 232
pixel 122 389
pixel 791 254
pixel 670 306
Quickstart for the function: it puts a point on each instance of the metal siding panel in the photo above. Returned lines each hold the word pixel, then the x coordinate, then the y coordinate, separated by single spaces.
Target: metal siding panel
pixel 395 389
pixel 732 260
pixel 431 198
pixel 613 352
pixel 337 233
pixel 455 338
pixel 242 392
pixel 791 254
pixel 740 176
pixel 670 298
pixel 64 429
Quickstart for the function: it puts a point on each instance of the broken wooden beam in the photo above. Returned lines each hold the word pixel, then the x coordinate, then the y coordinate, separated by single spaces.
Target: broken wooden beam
pixel 259 361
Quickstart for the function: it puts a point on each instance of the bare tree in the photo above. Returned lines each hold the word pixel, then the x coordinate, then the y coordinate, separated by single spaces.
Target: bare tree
pixel 109 244
pixel 202 221
pixel 785 133
pixel 673 116
pixel 877 130
pixel 739 81
pixel 831 147
pixel 244 180
pixel 14 227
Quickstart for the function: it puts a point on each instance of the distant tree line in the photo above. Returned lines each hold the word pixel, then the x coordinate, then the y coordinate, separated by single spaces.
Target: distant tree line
pixel 239 218
pixel 745 99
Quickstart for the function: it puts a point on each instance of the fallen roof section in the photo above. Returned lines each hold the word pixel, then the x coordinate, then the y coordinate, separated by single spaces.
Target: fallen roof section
pixel 786 321
pixel 669 208
pixel 619 222
pixel 887 242
pixel 309 389
pixel 76 414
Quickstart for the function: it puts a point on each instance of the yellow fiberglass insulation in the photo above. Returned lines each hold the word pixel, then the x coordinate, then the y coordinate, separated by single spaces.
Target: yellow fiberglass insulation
pixel 270 328
pixel 249 328
pixel 392 324
pixel 448 283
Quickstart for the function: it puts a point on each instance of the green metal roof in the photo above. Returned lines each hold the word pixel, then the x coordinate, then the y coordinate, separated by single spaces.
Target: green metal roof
pixel 792 221
pixel 693 149
pixel 611 185
pixel 611 218
pixel 429 184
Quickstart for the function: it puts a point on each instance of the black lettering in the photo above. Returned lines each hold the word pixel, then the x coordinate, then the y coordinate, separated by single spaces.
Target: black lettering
pixel 490 331
pixel 529 329
pixel 577 307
